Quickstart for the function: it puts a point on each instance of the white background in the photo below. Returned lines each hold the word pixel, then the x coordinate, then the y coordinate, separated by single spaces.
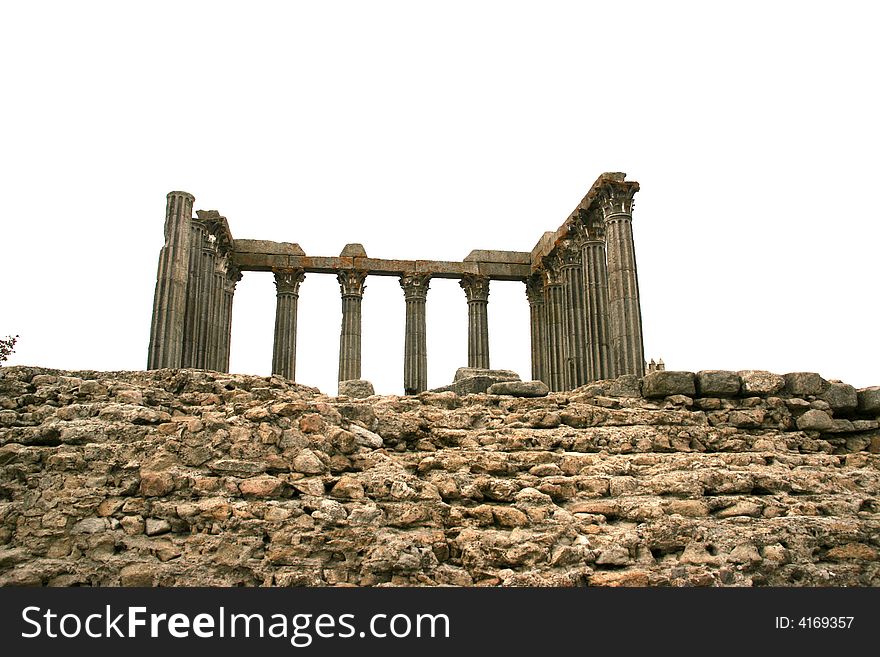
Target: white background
pixel 425 130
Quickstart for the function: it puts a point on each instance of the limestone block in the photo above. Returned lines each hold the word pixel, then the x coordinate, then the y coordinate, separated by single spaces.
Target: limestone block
pixel 842 397
pixel 718 383
pixel 520 388
pixel 801 384
pixel 815 420
pixel 869 400
pixel 760 382
pixel 665 383
pixel 356 389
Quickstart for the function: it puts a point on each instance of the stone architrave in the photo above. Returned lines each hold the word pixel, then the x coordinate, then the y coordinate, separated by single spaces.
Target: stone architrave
pixel 537 321
pixel 624 311
pixel 287 282
pixel 476 288
pixel 351 285
pixel 415 351
pixel 169 301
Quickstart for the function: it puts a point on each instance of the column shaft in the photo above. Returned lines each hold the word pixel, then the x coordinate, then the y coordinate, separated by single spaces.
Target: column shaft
pixel 351 284
pixel 624 310
pixel 537 322
pixel 575 318
pixel 415 350
pixel 556 352
pixel 477 290
pixel 287 284
pixel 596 301
pixel 169 301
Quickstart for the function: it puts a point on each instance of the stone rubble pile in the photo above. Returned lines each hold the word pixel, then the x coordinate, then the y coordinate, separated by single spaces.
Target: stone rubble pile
pixel 190 477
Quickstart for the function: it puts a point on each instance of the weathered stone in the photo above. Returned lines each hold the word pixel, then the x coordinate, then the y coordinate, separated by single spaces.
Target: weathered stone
pixel 156 526
pixel 156 484
pixel 356 389
pixel 869 400
pixel 801 384
pixel 348 488
pixel 858 551
pixel 759 382
pixel 815 420
pixel 520 388
pixel 664 383
pixel 841 397
pixel 718 383
pixel 261 486
pixel 469 372
pixel 308 462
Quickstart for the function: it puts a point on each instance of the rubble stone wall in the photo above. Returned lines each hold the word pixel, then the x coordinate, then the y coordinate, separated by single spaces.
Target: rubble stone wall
pixel 189 477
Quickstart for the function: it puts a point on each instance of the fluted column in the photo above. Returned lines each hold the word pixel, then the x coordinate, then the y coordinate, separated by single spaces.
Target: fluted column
pixel 195 299
pixel 287 283
pixel 596 301
pixel 233 276
pixel 537 324
pixel 556 354
pixel 576 366
pixel 218 319
pixel 415 350
pixel 624 310
pixel 169 300
pixel 351 284
pixel 476 288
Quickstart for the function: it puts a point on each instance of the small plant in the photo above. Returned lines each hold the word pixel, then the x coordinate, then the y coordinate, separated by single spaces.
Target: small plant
pixel 7 346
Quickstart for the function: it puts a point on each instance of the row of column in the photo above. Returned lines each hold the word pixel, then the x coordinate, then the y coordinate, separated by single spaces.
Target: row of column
pixel 195 284
pixel 351 283
pixel 585 315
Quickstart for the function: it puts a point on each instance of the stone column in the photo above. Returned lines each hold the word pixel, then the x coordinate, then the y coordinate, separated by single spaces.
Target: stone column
pixel 596 298
pixel 476 288
pixel 233 276
pixel 287 283
pixel 537 323
pixel 207 301
pixel 556 354
pixel 169 301
pixel 195 299
pixel 218 320
pixel 351 284
pixel 575 317
pixel 415 350
pixel 624 310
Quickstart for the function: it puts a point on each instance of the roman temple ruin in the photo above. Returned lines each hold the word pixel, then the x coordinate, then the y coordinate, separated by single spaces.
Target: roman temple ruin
pixel 581 284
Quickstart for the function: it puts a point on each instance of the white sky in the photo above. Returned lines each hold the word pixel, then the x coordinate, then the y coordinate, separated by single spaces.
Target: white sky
pixel 427 130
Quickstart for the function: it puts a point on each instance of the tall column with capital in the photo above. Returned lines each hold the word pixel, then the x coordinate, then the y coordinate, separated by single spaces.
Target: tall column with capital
pixel 537 323
pixel 476 288
pixel 169 301
pixel 351 284
pixel 287 283
pixel 554 305
pixel 576 365
pixel 415 350
pixel 217 335
pixel 624 309
pixel 233 276
pixel 595 275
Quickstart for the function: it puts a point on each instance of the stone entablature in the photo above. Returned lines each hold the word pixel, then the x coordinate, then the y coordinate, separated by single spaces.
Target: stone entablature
pixel 582 288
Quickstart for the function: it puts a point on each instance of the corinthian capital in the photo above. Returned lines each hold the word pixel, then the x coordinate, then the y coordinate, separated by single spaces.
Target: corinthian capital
pixel 476 287
pixel 415 286
pixel 351 282
pixel 287 280
pixel 616 198
pixel 535 289
pixel 569 254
